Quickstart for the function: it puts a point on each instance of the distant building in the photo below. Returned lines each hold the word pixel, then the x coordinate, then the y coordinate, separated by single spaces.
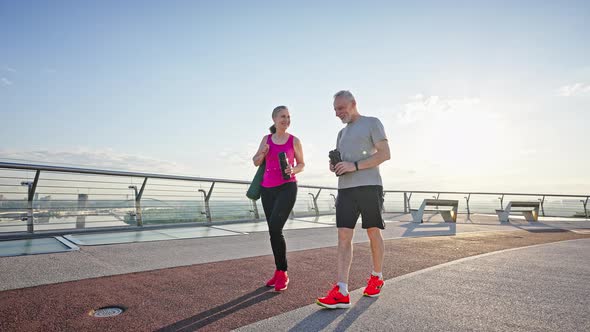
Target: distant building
pixel 81 219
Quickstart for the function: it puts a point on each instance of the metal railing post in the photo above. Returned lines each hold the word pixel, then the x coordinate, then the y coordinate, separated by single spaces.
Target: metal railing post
pixel 207 196
pixel 334 197
pixel 542 205
pixel 138 194
pixel 409 197
pixel 436 197
pixel 315 202
pixel 467 198
pixel 501 202
pixel 585 202
pixel 405 202
pixel 255 209
pixel 31 188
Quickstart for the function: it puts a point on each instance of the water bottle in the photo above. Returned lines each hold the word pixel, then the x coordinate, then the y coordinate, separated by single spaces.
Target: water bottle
pixel 284 165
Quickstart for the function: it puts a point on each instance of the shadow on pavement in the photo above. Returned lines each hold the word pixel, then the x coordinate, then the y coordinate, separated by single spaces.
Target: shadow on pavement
pixel 212 315
pixel 320 319
pixel 430 229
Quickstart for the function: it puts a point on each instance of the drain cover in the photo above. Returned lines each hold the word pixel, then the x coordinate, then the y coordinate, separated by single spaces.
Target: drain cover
pixel 107 312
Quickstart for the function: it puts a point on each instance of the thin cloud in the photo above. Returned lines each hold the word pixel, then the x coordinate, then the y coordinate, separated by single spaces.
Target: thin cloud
pixel 419 106
pixel 99 159
pixel 576 89
pixel 238 157
pixel 5 82
pixel 8 69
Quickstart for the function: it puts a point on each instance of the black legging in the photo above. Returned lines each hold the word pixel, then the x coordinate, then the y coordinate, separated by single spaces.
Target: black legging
pixel 278 203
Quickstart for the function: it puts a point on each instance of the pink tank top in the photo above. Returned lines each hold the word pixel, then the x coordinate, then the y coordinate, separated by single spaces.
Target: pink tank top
pixel 272 175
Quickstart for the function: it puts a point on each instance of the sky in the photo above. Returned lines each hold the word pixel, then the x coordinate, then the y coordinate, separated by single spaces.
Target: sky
pixel 487 96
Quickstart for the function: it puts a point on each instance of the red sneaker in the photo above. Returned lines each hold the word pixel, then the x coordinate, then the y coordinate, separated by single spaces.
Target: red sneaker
pixel 281 281
pixel 334 300
pixel 271 281
pixel 373 288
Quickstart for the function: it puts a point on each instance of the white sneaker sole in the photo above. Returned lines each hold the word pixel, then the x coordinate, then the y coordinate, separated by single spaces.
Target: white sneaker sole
pixel 333 306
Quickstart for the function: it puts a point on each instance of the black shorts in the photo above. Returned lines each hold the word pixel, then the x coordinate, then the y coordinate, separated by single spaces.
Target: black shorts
pixel 366 201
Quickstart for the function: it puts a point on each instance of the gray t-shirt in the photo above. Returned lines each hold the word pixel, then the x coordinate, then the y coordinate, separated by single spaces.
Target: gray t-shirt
pixel 356 142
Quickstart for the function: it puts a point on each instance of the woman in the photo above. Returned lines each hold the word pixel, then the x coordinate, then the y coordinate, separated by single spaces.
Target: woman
pixel 278 194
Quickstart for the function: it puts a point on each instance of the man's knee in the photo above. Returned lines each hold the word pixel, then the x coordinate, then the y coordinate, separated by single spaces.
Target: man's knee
pixel 345 235
pixel 374 233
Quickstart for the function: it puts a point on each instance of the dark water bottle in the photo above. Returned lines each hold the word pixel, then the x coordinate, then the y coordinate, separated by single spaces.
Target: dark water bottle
pixel 284 165
pixel 335 157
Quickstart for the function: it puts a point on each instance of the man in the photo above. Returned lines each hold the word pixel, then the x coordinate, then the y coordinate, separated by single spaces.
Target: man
pixel 363 147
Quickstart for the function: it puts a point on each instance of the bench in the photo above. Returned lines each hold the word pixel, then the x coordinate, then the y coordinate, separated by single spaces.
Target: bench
pixel 530 210
pixel 448 215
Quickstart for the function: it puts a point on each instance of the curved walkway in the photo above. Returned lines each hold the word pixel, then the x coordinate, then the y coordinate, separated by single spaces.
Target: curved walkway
pixel 538 288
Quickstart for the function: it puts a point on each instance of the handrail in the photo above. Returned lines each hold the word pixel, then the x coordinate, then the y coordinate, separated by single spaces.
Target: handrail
pixel 227 202
pixel 36 167
pixel 482 193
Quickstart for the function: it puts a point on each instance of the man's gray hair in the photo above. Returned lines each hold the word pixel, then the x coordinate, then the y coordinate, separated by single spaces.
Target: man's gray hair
pixel 345 94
